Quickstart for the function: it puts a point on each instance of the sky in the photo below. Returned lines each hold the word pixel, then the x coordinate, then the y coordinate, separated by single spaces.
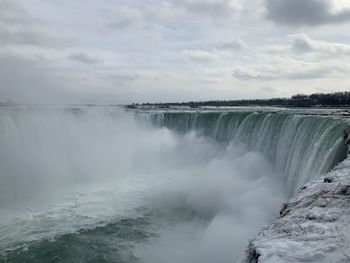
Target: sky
pixel 124 51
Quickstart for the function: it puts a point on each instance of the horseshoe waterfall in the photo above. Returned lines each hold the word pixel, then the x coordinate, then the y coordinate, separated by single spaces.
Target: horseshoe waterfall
pixel 108 185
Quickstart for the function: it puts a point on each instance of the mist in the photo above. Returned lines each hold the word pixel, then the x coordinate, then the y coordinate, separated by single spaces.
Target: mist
pixel 79 169
pixel 221 195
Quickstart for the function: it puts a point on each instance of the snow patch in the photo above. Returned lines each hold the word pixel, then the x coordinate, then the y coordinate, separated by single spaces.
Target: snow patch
pixel 314 226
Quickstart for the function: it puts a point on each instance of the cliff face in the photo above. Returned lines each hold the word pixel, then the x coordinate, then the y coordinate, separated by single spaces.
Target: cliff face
pixel 314 226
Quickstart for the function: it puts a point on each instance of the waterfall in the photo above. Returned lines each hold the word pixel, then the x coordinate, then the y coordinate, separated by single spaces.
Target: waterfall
pixel 299 146
pixel 151 187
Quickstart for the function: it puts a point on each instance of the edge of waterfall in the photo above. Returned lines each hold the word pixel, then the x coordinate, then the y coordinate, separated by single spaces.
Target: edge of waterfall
pixel 313 226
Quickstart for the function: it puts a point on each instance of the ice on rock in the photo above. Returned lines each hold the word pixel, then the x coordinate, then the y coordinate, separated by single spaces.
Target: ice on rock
pixel 314 226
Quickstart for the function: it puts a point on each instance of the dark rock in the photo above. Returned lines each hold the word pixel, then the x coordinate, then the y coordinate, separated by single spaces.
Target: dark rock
pixel 328 180
pixel 252 254
pixel 310 216
pixel 284 210
pixel 344 190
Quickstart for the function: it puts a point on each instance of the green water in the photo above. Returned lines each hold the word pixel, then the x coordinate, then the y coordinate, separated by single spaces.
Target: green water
pixel 111 243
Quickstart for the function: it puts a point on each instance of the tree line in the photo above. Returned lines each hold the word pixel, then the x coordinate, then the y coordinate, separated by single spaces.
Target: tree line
pixel 337 99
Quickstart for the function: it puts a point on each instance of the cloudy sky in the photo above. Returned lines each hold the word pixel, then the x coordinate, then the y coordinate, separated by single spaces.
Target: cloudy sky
pixel 122 51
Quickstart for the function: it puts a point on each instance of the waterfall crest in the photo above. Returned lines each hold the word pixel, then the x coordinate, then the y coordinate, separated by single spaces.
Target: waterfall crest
pixel 299 146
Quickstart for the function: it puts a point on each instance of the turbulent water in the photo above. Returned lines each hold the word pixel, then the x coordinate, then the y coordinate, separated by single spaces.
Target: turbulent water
pixel 104 185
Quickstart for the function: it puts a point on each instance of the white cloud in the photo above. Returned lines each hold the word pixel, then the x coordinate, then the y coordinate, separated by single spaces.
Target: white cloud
pixel 292 69
pixel 124 51
pixel 201 55
pixel 303 43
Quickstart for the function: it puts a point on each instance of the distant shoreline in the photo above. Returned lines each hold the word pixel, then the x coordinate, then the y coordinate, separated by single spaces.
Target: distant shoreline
pixel 317 100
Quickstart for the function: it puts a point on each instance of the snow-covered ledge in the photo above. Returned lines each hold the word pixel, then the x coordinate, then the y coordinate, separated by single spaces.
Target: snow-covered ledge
pixel 314 226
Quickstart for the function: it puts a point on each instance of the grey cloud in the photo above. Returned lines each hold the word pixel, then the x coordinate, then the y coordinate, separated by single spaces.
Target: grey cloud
pixel 29 36
pixel 125 18
pixel 304 12
pixel 84 57
pixel 232 45
pixel 275 74
pixel 18 36
pixel 125 77
pixel 311 74
pixel 269 89
pixel 26 82
pixel 242 73
pixel 214 8
pixel 18 27
pixel 23 81
pixel 302 43
pixel 11 13
pixel 122 23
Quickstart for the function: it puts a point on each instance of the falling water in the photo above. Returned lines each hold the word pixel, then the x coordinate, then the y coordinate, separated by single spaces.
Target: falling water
pixel 104 185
